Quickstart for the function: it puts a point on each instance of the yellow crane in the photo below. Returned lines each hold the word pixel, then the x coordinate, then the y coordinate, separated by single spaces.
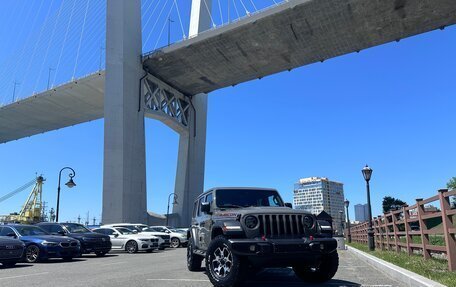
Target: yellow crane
pixel 32 210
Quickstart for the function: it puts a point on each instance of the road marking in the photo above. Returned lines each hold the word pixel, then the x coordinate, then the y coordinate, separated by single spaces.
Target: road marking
pixel 21 276
pixel 184 280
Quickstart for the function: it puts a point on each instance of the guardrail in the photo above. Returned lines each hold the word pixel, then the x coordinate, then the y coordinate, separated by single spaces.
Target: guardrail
pixel 422 228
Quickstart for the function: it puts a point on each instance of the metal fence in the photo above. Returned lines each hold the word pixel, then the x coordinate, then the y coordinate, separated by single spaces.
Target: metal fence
pixel 427 227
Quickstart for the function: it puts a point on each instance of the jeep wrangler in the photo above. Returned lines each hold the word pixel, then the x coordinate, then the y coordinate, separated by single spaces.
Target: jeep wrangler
pixel 242 230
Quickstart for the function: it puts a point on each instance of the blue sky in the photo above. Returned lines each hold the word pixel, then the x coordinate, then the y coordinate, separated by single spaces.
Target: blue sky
pixel 391 106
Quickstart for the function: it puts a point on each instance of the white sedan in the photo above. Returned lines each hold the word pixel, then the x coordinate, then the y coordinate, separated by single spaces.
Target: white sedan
pixel 177 238
pixel 163 237
pixel 126 239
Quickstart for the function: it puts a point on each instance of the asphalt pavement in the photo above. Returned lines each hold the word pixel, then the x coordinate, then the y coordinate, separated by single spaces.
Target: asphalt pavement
pixel 168 268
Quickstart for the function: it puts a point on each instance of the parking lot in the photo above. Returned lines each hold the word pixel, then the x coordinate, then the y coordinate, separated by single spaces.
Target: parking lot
pixel 167 268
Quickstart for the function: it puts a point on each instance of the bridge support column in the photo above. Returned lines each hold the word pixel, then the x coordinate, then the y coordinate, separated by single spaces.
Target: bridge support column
pixel 192 145
pixel 124 173
pixel 191 161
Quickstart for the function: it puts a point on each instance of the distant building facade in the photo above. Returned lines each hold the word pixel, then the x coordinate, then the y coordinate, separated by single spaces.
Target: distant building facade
pixel 361 212
pixel 315 194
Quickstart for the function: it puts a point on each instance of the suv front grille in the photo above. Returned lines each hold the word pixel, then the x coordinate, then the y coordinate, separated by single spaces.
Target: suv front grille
pixel 282 225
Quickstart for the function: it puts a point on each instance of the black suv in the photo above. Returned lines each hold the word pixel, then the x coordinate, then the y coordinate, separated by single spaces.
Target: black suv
pixel 11 251
pixel 241 230
pixel 90 241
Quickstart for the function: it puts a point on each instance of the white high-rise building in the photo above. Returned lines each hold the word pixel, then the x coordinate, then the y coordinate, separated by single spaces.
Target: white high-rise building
pixel 315 194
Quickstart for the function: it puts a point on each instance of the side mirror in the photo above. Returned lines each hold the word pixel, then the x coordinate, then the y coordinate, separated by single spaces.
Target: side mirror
pixel 135 231
pixel 61 232
pixel 115 234
pixel 206 207
pixel 12 234
pixel 288 205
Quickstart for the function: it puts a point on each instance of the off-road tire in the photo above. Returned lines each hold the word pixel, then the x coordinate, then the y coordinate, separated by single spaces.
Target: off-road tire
pixel 223 267
pixel 324 272
pixel 193 260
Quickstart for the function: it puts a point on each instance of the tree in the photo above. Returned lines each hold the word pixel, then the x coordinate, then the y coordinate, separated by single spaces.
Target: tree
pixel 451 184
pixel 391 203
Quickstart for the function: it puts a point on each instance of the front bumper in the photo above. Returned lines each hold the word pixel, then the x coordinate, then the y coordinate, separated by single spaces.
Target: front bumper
pixel 89 247
pixel 143 246
pixel 283 252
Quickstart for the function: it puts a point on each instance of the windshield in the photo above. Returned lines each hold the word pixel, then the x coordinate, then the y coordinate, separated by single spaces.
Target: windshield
pixel 129 227
pixel 76 228
pixel 30 230
pixel 236 198
pixel 124 230
pixel 156 229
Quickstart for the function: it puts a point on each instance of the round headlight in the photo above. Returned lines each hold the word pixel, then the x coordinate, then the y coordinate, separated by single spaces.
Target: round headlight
pixel 308 221
pixel 251 221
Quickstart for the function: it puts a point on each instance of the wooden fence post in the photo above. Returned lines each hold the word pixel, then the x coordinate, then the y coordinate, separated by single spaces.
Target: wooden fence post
pixel 408 238
pixel 423 228
pixel 395 230
pixel 450 241
pixel 386 224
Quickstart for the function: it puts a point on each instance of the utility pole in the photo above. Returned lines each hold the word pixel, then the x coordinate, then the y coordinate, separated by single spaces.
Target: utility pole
pixel 49 77
pixel 169 30
pixel 79 219
pixel 43 211
pixel 14 89
pixel 52 215
pixel 101 58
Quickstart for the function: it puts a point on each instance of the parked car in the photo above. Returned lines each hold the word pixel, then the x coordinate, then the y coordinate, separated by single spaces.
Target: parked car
pixel 11 251
pixel 40 245
pixel 239 229
pixel 163 238
pixel 90 241
pixel 177 239
pixel 126 239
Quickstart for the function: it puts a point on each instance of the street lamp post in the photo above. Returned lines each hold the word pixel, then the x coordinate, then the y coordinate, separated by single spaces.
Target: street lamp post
pixel 70 184
pixel 341 216
pixel 174 202
pixel 349 236
pixel 367 173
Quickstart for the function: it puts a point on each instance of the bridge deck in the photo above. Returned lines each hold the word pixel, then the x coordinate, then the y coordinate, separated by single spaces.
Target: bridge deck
pixel 291 35
pixel 70 104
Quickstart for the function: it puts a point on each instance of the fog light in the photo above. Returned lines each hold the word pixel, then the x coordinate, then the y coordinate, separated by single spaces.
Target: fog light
pixel 252 248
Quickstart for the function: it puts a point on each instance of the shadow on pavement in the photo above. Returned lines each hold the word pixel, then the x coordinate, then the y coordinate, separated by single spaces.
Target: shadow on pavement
pixel 284 277
pixel 94 256
pixel 60 261
pixel 19 265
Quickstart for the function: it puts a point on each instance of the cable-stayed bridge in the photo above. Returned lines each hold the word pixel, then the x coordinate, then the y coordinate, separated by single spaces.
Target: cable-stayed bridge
pixel 143 68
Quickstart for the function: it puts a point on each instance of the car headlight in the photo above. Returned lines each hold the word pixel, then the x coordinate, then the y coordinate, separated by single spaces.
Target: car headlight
pixel 47 243
pixel 308 221
pixel 251 221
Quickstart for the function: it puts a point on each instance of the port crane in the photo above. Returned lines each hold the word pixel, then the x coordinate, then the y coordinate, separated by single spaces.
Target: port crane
pixel 32 210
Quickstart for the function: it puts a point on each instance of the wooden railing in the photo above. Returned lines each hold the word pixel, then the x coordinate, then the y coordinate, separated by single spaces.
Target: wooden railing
pixel 428 229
